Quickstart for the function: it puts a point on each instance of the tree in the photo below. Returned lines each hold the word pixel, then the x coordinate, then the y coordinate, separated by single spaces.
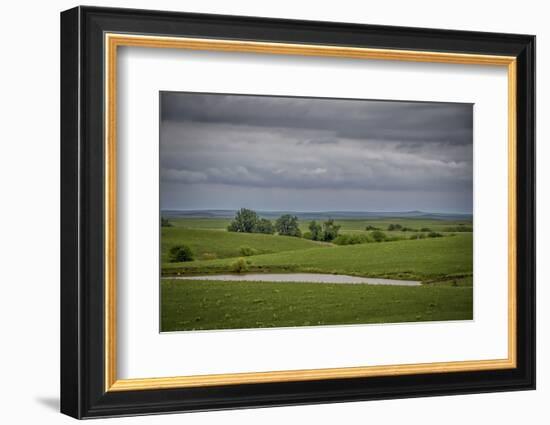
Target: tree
pixel 330 230
pixel 264 226
pixel 164 222
pixel 378 236
pixel 316 231
pixel 394 227
pixel 245 221
pixel 180 253
pixel 287 225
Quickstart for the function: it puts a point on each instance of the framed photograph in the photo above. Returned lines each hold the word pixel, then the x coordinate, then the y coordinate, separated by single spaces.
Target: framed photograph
pixel 261 212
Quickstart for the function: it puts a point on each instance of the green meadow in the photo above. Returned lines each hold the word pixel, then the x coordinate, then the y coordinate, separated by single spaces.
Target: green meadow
pixel 213 244
pixel 442 262
pixel 201 305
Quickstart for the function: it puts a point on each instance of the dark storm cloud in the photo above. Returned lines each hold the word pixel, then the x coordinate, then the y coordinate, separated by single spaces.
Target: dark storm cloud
pixel 396 121
pixel 315 148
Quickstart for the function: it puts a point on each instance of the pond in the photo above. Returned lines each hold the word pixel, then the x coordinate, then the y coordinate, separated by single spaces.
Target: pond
pixel 301 277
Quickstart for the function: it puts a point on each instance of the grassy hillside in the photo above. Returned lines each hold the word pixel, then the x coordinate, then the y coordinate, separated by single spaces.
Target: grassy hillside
pixel 210 244
pixel 444 264
pixel 427 259
pixel 197 305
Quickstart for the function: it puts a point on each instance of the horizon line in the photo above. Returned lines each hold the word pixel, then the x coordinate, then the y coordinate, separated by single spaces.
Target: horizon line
pixel 317 211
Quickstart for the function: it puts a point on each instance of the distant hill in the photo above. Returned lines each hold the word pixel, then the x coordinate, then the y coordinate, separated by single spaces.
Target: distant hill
pixel 319 215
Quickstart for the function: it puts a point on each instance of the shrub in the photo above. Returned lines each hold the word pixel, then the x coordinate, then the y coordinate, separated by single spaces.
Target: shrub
pixel 239 266
pixel 408 229
pixel 164 222
pixel 370 227
pixel 246 251
pixel 378 236
pixel 434 235
pixel 352 239
pixel 361 239
pixel 394 227
pixel 342 240
pixel 418 236
pixel 307 235
pixel 425 229
pixel 180 253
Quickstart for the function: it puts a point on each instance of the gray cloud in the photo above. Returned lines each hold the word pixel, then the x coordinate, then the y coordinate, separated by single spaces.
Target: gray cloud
pixel 360 119
pixel 314 146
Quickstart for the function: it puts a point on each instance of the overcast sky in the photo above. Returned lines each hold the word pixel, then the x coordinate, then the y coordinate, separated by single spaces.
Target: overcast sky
pixel 310 154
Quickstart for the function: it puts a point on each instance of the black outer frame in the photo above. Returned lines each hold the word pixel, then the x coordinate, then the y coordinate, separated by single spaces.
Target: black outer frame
pixel 82 206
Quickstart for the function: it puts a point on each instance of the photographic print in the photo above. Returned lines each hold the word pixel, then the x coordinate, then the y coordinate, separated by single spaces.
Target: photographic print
pixel 292 211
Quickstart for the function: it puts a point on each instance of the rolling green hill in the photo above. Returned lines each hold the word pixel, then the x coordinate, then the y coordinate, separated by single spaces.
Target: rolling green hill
pixel 427 259
pixel 211 244
pixel 444 264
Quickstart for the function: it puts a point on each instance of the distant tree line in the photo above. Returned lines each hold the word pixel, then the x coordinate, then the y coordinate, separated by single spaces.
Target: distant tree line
pixel 394 227
pixel 459 228
pixel 248 221
pixel 380 236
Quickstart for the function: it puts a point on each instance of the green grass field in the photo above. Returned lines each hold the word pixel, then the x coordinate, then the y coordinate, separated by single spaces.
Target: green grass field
pixel 213 244
pixel 348 225
pixel 425 259
pixel 443 264
pixel 201 305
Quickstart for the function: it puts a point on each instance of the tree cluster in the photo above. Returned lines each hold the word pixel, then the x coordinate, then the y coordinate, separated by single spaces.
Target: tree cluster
pixel 326 232
pixel 287 225
pixel 248 221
